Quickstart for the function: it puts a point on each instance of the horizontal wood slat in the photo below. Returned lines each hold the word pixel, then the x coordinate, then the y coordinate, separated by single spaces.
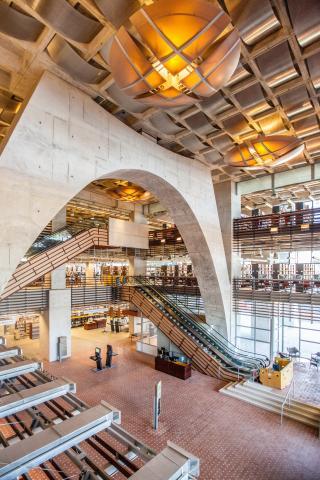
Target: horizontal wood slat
pixel 54 257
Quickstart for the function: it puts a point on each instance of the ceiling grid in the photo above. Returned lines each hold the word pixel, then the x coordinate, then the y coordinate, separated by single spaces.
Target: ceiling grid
pixel 274 90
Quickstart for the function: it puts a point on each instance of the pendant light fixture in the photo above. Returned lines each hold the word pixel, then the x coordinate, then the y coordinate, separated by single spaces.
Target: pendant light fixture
pixel 175 52
pixel 263 152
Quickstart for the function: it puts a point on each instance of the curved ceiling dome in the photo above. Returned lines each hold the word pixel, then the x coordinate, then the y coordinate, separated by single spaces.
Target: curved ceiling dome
pixel 129 193
pixel 264 152
pixel 176 53
pixel 123 190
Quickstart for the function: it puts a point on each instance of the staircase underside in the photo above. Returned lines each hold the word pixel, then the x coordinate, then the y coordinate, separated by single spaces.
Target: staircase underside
pixel 54 257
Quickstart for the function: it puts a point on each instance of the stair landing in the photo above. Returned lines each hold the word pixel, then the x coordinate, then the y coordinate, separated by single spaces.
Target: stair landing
pixel 271 399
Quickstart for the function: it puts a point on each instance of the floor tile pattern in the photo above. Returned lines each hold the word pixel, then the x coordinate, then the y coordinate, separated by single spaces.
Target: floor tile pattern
pixel 234 440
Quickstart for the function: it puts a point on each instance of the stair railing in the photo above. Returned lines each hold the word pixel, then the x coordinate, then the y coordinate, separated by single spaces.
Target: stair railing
pixel 287 398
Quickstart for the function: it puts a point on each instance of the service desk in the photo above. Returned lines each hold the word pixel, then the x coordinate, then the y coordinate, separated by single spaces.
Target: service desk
pixel 176 369
pixel 90 326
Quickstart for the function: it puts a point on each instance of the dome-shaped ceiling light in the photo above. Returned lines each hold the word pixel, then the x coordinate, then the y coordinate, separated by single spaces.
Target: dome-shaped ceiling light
pixel 129 193
pixel 264 152
pixel 177 52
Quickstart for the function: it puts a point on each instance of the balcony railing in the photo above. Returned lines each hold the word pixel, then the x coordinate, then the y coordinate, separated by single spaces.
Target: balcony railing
pixel 289 286
pixel 299 221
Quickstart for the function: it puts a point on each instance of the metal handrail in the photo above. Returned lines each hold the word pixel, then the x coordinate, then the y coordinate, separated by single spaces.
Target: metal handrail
pixel 287 398
pixel 284 219
pixel 230 354
pixel 209 332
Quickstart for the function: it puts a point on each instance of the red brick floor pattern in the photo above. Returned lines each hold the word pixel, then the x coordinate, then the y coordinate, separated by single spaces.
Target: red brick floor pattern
pixel 234 440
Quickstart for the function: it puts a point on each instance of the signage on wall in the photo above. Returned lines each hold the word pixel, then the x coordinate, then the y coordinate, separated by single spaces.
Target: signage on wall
pixel 7 321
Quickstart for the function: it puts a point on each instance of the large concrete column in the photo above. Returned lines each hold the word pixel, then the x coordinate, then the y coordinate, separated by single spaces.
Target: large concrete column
pixel 229 208
pixel 56 320
pixel 137 265
pixel 90 271
pixel 58 276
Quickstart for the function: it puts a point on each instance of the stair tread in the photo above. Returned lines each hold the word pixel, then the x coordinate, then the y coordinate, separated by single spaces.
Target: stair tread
pixel 277 405
pixel 261 388
pixel 286 413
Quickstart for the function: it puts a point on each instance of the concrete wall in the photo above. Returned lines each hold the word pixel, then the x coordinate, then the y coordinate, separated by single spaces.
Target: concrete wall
pixel 229 207
pixel 128 234
pixel 63 141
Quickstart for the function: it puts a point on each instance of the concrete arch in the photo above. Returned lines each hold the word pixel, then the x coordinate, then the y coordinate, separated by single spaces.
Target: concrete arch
pixel 63 141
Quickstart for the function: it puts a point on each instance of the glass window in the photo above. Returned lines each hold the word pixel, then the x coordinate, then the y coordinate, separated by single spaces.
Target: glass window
pixel 263 335
pixel 310 336
pixel 290 337
pixel 245 320
pixel 245 332
pixel 310 325
pixel 263 348
pixel 245 344
pixel 307 348
pixel 263 322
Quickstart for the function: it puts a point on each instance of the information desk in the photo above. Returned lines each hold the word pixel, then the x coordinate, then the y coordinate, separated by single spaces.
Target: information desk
pixel 98 323
pixel 90 326
pixel 278 376
pixel 176 369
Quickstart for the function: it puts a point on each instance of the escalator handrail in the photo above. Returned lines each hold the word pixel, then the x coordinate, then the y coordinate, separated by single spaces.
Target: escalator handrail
pixel 228 352
pixel 225 342
pixel 235 368
pixel 216 333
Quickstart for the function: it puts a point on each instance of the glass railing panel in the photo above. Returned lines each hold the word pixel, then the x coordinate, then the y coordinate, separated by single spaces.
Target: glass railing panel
pixel 58 237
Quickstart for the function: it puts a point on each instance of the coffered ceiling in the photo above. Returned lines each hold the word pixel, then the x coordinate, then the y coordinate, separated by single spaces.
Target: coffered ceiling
pixel 266 199
pixel 274 90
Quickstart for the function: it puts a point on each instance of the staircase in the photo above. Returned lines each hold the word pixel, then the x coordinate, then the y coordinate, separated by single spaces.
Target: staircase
pixel 269 399
pixel 56 254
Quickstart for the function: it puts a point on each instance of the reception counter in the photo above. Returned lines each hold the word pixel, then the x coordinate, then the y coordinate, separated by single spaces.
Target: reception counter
pixel 279 375
pixel 176 369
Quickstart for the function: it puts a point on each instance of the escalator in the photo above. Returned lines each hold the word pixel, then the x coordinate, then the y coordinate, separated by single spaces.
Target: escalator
pixel 51 251
pixel 210 351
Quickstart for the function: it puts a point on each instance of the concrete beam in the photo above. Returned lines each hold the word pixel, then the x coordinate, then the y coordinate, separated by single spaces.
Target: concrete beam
pixel 171 464
pixel 42 446
pixel 281 179
pixel 18 368
pixel 7 352
pixel 15 402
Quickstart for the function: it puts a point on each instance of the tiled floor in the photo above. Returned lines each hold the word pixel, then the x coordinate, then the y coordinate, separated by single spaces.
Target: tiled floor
pixel 307 383
pixel 235 441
